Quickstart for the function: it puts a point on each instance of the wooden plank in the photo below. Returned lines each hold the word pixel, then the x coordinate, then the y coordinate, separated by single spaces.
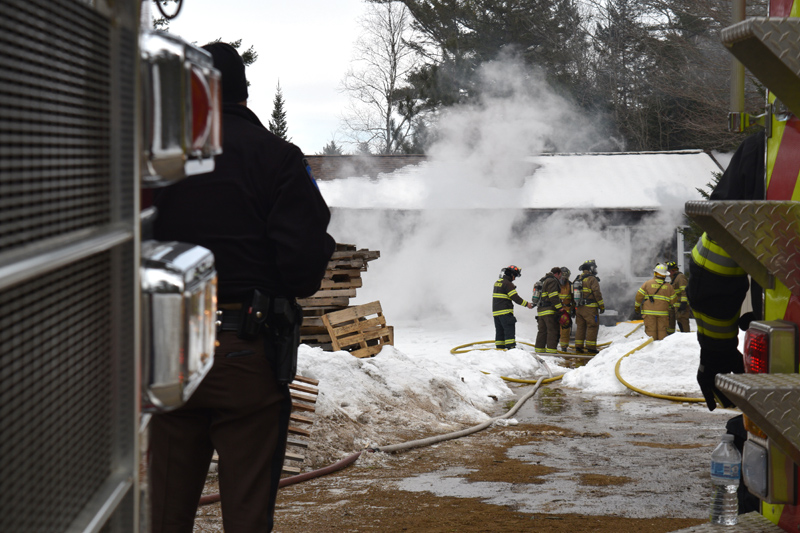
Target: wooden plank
pixel 303 407
pixel 361 325
pixel 303 388
pixel 331 284
pixel 343 273
pixel 303 379
pixel 324 302
pixel 292 470
pixel 353 313
pixel 297 431
pixel 364 337
pixel 304 397
pixel 300 419
pixel 293 441
pixel 324 293
pixel 291 456
pixel 367 352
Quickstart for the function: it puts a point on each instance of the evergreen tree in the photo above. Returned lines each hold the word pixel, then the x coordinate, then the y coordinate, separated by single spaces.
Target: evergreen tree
pixel 277 121
pixel 332 149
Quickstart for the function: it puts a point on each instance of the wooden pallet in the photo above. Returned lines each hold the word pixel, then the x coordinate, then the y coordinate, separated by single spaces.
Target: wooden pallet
pixel 304 395
pixel 356 330
pixel 342 278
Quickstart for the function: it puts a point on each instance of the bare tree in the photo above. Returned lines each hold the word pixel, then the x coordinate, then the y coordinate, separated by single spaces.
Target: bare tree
pixel 380 114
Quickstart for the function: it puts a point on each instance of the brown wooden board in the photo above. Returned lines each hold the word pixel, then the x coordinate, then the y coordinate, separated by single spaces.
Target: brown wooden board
pixel 361 329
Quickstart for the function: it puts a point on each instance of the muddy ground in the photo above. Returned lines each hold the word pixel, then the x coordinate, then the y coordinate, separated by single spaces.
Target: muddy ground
pixel 574 462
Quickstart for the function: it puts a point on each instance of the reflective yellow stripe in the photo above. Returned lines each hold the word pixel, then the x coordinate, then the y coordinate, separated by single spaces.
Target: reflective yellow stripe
pixel 710 256
pixel 717 328
pixel 655 313
pixel 512 293
pixel 501 295
pixel 546 312
pixel 503 312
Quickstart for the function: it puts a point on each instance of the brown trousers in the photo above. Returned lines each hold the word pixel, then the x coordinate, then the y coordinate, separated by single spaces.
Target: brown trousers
pixel 239 410
pixel 682 317
pixel 586 331
pixel 547 336
pixel 565 333
pixel 655 326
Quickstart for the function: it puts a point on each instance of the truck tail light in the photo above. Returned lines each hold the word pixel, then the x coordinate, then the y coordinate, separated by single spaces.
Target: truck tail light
pixel 769 347
pixel 756 351
pixel 179 305
pixel 181 104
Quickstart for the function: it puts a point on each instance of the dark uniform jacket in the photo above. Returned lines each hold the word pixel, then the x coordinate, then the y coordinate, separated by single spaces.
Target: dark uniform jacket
pixel 245 212
pixel 550 301
pixel 504 294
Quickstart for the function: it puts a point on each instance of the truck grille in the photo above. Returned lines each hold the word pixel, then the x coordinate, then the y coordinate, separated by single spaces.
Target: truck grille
pixel 56 392
pixel 54 120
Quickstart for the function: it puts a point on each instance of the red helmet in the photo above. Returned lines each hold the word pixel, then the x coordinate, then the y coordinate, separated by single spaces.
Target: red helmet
pixel 512 270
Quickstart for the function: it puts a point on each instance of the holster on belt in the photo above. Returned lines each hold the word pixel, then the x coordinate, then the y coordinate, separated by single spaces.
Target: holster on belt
pixel 278 319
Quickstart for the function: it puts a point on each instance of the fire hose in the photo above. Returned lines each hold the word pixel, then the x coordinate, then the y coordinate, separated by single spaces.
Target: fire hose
pixel 339 465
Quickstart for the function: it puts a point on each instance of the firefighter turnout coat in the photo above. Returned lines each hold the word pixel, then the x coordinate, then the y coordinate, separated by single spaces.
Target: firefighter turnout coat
pixel 548 312
pixel 504 297
pixel 654 299
pixel 680 312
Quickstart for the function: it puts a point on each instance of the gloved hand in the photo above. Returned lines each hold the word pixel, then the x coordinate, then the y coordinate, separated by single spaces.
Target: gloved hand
pixel 572 312
pixel 602 310
pixel 530 305
pixel 711 364
pixel 637 312
pixel 682 307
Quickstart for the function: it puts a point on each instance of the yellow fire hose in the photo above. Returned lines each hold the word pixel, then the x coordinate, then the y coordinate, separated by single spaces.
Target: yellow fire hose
pixel 461 348
pixel 644 392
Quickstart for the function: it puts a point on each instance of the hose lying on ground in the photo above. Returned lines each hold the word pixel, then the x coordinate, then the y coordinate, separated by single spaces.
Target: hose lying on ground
pixel 339 465
pixel 644 392
pixel 461 348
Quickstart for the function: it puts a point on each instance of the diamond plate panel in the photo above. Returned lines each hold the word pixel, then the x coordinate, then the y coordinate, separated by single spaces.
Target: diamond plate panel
pixel 748 523
pixel 770 48
pixel 762 236
pixel 772 401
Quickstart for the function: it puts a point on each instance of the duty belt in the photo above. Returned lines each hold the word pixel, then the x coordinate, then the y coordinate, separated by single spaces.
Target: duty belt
pixel 228 317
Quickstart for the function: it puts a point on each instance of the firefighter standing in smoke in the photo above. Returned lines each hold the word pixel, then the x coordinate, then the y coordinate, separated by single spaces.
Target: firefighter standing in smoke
pixel 654 299
pixel 505 294
pixel 586 312
pixel 549 310
pixel 681 314
pixel 567 308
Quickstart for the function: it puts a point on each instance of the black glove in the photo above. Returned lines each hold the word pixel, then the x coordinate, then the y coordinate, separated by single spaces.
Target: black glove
pixel 682 307
pixel 602 310
pixel 711 364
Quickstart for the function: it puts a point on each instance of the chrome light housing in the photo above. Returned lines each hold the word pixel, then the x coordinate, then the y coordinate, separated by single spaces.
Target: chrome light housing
pixel 179 305
pixel 182 106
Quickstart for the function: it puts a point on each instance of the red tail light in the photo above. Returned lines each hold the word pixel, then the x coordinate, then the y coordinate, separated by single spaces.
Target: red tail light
pixel 756 352
pixel 201 109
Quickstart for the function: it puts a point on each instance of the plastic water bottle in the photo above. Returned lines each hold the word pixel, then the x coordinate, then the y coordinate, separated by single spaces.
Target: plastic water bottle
pixel 726 467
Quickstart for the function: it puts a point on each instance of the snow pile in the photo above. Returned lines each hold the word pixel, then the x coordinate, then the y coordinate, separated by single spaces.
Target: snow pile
pixel 417 388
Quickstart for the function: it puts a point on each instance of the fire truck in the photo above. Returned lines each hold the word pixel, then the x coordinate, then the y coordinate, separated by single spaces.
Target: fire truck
pixel 763 237
pixel 99 325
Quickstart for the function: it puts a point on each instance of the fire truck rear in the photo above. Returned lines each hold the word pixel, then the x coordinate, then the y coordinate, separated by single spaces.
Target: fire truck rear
pixel 99 326
pixel 763 237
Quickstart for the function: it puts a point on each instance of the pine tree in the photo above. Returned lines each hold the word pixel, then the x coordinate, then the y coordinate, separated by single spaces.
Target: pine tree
pixel 277 121
pixel 332 149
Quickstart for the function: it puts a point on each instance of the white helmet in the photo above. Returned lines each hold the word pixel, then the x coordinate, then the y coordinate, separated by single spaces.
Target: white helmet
pixel 660 270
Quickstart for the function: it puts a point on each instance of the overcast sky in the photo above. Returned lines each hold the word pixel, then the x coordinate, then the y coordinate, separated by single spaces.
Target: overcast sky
pixel 306 44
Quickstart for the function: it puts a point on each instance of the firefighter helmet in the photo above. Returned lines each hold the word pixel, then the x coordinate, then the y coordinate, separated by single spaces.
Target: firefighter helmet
pixel 672 265
pixel 565 273
pixel 660 270
pixel 589 265
pixel 512 270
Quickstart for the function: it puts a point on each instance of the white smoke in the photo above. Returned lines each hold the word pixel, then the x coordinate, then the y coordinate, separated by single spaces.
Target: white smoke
pixel 440 264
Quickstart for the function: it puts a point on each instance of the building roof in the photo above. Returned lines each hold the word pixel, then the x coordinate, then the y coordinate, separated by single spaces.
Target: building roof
pixel 328 167
pixel 632 181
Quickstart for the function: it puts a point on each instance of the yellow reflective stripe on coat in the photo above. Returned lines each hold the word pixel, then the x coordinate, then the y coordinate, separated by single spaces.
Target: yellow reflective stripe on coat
pixel 710 256
pixel 501 295
pixel 503 312
pixel 716 328
pixel 546 312
pixel 654 313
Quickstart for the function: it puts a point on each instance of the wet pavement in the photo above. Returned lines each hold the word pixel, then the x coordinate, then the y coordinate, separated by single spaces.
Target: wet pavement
pixel 631 456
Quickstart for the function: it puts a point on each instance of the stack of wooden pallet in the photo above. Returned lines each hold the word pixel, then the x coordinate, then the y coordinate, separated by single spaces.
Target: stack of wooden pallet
pixel 361 330
pixel 341 280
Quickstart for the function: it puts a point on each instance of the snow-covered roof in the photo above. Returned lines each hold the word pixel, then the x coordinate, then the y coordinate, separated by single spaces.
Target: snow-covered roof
pixel 640 181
